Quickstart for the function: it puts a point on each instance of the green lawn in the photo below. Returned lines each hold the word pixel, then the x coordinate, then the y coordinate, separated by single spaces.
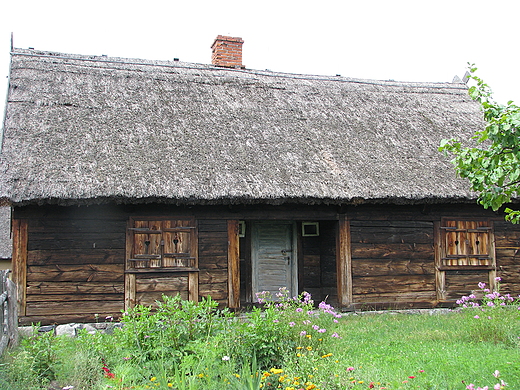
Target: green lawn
pixel 291 347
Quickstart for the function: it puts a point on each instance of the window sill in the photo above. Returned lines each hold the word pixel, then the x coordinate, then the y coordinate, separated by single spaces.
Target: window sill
pixel 160 270
pixel 466 267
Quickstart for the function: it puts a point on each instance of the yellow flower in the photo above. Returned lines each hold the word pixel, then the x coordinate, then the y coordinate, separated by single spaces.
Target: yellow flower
pixel 299 347
pixel 309 348
pixel 200 375
pixel 276 371
pixel 309 336
pixel 327 355
pixel 266 374
pixel 237 375
pixel 360 382
pixel 153 379
pixel 298 355
pixel 310 387
pixel 170 384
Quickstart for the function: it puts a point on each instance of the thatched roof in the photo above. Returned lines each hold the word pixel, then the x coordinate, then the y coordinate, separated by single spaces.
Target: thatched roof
pixel 92 129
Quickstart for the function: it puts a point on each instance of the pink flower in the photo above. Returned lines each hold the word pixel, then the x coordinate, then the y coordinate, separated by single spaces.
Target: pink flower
pixel 350 369
pixel 496 374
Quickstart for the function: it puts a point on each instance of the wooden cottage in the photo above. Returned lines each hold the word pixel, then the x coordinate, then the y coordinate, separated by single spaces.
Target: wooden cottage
pixel 129 179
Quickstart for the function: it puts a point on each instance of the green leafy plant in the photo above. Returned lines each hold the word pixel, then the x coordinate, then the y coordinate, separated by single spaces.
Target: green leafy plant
pixel 492 164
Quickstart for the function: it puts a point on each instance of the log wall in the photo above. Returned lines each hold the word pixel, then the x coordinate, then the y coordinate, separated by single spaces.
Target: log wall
pixel 75 266
pixel 75 258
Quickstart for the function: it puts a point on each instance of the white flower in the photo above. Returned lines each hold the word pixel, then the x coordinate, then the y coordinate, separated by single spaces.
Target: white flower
pixel 225 358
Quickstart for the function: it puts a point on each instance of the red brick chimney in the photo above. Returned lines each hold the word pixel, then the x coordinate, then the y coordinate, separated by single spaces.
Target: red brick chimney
pixel 227 52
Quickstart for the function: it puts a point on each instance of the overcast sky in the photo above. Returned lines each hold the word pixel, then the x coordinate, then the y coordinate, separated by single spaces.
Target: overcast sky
pixel 419 40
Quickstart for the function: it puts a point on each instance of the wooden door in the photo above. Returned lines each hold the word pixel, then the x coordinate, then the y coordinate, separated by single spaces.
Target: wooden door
pixel 274 262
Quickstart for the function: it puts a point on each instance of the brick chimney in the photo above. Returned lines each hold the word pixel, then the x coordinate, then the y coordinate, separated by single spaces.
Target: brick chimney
pixel 227 52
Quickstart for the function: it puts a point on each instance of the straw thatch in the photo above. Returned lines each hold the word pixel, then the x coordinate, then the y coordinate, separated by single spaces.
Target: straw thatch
pixel 82 129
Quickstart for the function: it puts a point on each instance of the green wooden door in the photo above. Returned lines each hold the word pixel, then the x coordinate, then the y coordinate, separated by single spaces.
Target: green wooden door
pixel 273 257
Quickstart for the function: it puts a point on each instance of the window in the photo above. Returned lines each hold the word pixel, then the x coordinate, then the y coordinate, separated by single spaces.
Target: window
pixel 162 244
pixel 466 243
pixel 310 229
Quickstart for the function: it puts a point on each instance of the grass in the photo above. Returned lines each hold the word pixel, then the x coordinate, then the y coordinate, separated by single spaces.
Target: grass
pixel 289 345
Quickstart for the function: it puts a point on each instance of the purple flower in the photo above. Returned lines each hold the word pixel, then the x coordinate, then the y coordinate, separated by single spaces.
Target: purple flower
pixel 322 330
pixel 334 335
pixel 481 285
pixel 490 304
pixel 303 333
pixel 292 324
pixel 498 279
pixel 299 310
pixel 315 327
pixel 477 317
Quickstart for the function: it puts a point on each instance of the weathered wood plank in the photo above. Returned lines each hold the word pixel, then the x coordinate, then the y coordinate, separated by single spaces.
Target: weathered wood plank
pixel 86 243
pixel 20 239
pixel 403 284
pixel 46 288
pixel 49 308
pixel 159 284
pixel 150 298
pixel 75 256
pixel 378 235
pixel 233 265
pixel 391 267
pixel 395 251
pixel 76 273
pixel 343 263
pixel 212 262
pixel 74 297
pixel 213 276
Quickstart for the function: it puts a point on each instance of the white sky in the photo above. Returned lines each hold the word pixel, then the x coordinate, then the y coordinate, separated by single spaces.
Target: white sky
pixel 417 40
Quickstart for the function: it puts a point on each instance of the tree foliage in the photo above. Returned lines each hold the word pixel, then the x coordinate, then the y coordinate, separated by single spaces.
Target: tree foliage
pixel 492 163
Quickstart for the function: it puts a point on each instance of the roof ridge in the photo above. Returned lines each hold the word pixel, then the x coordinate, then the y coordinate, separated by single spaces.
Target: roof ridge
pixel 267 73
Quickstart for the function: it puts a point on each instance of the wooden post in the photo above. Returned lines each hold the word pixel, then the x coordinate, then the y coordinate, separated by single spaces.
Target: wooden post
pixel 193 277
pixel 129 278
pixel 12 318
pixel 440 276
pixel 493 258
pixel 20 262
pixel 343 262
pixel 233 265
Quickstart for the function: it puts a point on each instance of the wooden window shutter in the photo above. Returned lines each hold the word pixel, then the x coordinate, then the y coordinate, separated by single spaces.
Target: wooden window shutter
pixel 466 243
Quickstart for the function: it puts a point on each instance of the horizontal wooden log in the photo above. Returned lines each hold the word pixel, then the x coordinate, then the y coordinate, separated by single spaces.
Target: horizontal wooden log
pixel 86 243
pixel 49 308
pixel 213 276
pixel 402 284
pixel 50 226
pixel 76 256
pixel 392 251
pixel 53 319
pixel 205 226
pixel 377 235
pixel 73 297
pixel 216 290
pixel 45 288
pixel 391 267
pixel 161 285
pixel 405 297
pixel 392 224
pixel 150 298
pixel 212 262
pixel 76 273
